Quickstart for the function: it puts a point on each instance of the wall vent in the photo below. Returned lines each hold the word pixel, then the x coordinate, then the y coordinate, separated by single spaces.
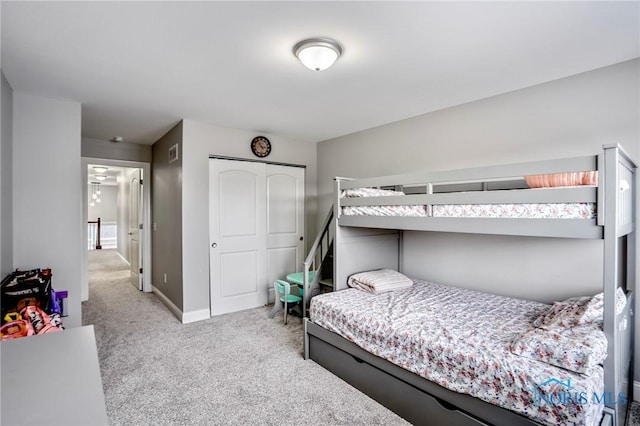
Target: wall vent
pixel 173 153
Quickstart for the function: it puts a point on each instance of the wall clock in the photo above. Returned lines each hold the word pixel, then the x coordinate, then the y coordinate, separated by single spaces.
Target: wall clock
pixel 260 146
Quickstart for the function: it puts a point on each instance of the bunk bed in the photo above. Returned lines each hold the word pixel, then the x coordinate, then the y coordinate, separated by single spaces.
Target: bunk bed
pixel 590 197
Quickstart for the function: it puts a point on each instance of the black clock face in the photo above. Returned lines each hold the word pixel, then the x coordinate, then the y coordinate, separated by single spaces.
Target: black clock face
pixel 260 146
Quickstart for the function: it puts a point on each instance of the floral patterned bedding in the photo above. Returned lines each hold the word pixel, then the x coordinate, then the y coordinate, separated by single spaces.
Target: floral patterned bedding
pixel 510 211
pixel 461 340
pixel 406 211
pixel 520 211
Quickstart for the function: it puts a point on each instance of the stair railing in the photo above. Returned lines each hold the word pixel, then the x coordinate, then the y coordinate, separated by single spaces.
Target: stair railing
pixel 318 252
pixel 94 234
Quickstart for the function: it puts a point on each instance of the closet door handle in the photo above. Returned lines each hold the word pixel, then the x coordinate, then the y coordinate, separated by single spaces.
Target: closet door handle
pixel 214 245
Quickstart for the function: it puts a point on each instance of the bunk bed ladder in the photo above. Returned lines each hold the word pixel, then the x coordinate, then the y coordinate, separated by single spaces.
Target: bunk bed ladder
pixel 319 261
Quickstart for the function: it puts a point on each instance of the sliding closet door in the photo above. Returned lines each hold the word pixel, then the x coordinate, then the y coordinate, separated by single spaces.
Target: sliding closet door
pixel 256 230
pixel 285 221
pixel 237 209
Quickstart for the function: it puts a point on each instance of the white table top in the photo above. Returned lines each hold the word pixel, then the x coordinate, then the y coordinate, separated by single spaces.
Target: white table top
pixel 52 379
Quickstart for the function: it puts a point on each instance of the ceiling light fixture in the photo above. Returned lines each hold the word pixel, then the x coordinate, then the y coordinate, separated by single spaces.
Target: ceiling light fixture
pixel 317 53
pixel 95 194
pixel 100 169
pixel 101 177
pixel 116 139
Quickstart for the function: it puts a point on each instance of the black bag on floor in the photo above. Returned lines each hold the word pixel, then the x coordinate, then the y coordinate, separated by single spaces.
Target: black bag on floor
pixel 23 288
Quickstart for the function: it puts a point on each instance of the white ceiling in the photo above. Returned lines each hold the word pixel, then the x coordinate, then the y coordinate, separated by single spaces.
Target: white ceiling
pixel 139 67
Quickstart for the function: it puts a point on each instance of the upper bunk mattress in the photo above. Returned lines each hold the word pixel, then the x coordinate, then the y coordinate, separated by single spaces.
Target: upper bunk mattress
pixel 506 211
pixel 556 210
pixel 460 339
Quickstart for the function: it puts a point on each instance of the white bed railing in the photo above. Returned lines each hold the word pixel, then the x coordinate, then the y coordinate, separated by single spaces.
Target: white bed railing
pixel 315 259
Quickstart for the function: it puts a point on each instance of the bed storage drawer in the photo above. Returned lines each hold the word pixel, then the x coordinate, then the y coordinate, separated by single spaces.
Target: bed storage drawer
pixel 407 401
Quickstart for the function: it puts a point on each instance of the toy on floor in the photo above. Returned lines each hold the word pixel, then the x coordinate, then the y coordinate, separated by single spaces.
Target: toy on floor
pixel 29 305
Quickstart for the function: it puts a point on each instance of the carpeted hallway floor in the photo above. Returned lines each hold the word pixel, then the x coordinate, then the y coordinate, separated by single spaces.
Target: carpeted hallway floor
pixel 236 369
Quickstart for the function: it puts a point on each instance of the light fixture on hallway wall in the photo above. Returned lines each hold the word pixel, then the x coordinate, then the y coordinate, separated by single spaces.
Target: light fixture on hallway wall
pixel 317 53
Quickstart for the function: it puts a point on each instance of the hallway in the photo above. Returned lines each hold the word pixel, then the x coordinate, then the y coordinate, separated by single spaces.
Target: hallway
pixel 123 318
pixel 110 295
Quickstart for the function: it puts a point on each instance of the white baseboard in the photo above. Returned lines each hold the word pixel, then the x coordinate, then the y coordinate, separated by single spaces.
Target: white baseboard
pixel 122 257
pixel 194 316
pixel 168 303
pixel 183 317
pixel 636 390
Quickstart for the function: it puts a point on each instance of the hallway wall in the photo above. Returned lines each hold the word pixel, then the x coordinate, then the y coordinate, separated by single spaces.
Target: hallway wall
pixel 47 217
pixel 6 185
pixel 98 148
pixel 166 204
pixel 106 208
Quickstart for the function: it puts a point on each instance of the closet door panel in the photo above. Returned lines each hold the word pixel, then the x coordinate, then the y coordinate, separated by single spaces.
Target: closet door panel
pixel 237 235
pixel 279 260
pixel 285 220
pixel 282 209
pixel 238 273
pixel 239 198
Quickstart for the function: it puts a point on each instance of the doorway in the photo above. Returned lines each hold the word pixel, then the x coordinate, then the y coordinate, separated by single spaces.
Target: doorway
pixel 125 225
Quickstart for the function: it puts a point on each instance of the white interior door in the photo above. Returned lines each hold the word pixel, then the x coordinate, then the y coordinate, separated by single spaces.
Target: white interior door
pixel 237 209
pixel 285 222
pixel 135 253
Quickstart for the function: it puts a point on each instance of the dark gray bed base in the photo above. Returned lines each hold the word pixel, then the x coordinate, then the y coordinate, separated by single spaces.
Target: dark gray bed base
pixel 412 397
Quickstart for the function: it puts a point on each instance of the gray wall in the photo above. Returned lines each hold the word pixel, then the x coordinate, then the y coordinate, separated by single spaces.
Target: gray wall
pixel 523 267
pixel 6 186
pixel 47 188
pixel 166 210
pixel 200 141
pixel 97 148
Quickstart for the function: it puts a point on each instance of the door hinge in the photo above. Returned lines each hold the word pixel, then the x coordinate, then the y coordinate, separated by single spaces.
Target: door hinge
pixel 141 182
pixel 140 270
pixel 141 225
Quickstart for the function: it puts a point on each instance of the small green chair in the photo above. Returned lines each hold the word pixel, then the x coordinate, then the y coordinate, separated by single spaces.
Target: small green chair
pixel 284 298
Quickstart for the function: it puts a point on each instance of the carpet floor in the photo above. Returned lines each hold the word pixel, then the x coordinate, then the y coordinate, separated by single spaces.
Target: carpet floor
pixel 633 418
pixel 236 369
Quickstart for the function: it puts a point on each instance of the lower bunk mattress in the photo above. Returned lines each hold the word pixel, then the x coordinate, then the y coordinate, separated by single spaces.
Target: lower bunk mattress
pixel 461 340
